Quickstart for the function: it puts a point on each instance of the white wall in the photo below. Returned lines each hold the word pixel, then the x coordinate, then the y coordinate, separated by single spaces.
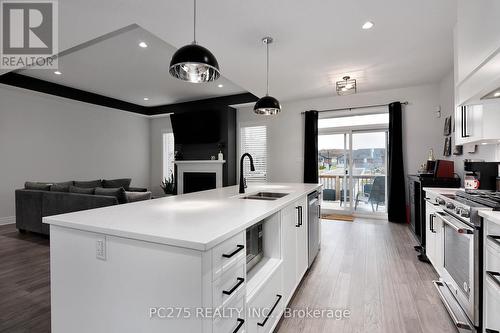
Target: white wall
pixel 47 138
pixel 286 131
pixel 447 102
pixel 158 127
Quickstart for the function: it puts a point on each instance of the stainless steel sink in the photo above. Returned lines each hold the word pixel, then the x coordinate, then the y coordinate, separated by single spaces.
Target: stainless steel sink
pixel 265 196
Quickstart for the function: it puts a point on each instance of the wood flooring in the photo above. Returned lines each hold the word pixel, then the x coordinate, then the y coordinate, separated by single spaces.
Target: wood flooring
pixel 368 267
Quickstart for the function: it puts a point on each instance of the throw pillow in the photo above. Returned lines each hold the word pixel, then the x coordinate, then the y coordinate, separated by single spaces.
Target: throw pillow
pixel 138 196
pixel 88 184
pixel 81 190
pixel 59 188
pixel 37 186
pixel 117 183
pixel 118 193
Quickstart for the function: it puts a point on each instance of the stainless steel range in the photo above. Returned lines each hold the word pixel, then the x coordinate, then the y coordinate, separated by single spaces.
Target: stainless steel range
pixel 462 237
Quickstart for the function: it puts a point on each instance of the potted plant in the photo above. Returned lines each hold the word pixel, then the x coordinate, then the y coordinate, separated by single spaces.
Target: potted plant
pixel 168 185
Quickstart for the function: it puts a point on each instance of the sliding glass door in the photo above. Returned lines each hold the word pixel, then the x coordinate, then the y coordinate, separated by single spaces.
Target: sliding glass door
pixel 353 164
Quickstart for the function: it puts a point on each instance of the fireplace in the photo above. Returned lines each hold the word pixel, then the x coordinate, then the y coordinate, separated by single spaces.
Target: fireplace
pixel 199 181
pixel 198 175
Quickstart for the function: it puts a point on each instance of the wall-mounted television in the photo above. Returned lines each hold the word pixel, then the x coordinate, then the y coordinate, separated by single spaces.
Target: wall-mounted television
pixel 196 127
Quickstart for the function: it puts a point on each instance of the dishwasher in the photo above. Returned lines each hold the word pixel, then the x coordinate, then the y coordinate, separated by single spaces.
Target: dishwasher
pixel 313 227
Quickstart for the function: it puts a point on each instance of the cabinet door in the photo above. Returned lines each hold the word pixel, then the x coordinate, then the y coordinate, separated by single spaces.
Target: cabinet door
pixel 301 234
pixel 430 232
pixel 288 223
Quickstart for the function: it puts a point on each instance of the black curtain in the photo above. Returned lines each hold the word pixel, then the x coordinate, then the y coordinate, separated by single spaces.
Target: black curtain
pixel 396 205
pixel 311 147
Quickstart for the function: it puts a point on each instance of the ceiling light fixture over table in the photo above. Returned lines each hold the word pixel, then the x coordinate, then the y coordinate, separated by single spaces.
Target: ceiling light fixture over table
pixel 194 63
pixel 267 105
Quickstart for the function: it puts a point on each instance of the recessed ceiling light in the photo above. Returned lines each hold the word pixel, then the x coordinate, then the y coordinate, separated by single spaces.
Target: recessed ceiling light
pixel 146 98
pixel 367 25
pixel 57 73
pixel 497 94
pixel 220 85
pixel 143 45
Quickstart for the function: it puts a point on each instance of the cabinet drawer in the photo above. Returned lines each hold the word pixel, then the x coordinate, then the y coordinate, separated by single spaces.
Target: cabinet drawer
pixel 492 254
pixel 227 254
pixel 229 284
pixel 492 228
pixel 233 318
pixel 492 303
pixel 266 307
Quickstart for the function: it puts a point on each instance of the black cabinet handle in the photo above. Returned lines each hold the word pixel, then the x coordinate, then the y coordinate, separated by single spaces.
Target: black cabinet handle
pixel 240 324
pixel 238 249
pixel 491 331
pixel 431 220
pixel 319 211
pixel 229 292
pixel 298 216
pixel 271 311
pixel 495 276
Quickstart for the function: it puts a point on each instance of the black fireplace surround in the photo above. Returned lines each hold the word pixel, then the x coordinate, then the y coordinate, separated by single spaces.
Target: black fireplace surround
pixel 199 181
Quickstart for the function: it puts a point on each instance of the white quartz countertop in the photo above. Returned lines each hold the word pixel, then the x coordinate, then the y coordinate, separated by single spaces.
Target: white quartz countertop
pixel 490 215
pixel 197 221
pixel 442 190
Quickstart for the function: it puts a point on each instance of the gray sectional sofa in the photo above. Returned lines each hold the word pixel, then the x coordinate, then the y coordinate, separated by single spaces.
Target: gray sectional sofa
pixel 39 199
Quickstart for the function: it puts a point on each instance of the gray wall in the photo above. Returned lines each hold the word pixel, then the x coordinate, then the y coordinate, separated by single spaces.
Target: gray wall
pixel 447 102
pixel 286 131
pixel 47 138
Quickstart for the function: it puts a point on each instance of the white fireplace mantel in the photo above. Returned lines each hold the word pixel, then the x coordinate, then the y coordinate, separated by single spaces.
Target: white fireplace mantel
pixel 214 166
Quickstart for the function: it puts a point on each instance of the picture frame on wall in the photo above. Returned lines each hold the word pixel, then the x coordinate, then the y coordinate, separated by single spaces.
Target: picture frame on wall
pixel 447 126
pixel 447 146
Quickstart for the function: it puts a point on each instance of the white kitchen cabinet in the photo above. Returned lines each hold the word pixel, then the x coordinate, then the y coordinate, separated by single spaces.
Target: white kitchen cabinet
pixel 295 247
pixel 477 123
pixel 434 236
pixel 477 34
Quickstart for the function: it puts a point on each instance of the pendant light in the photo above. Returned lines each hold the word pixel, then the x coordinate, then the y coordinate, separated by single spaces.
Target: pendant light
pixel 267 105
pixel 194 63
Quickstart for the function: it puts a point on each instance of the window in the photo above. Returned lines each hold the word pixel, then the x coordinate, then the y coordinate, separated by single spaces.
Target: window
pixel 350 121
pixel 253 140
pixel 168 154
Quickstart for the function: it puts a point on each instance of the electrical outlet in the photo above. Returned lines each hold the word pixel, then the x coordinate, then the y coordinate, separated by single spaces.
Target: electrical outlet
pixel 100 250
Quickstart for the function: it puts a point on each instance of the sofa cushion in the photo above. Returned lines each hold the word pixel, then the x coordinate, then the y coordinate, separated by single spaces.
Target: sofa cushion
pixel 118 193
pixel 138 196
pixel 88 184
pixel 117 183
pixel 37 186
pixel 61 187
pixel 81 190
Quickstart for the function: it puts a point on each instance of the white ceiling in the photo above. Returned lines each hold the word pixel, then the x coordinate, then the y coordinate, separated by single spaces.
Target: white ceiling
pixel 117 67
pixel 317 41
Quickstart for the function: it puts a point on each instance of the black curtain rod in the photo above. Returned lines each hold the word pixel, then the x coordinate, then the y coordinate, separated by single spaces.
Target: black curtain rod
pixel 358 107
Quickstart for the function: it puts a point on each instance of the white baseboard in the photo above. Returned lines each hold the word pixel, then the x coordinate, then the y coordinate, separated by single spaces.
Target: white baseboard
pixel 7 220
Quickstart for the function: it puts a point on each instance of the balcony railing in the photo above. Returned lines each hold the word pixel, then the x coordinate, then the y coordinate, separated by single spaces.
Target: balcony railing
pixel 336 183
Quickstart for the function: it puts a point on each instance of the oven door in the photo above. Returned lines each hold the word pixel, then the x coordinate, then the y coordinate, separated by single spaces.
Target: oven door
pixel 459 260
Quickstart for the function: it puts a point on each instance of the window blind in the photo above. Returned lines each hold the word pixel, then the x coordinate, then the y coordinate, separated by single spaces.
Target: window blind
pixel 254 141
pixel 168 154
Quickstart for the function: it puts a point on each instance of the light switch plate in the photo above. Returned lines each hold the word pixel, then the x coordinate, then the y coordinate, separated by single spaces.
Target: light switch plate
pixel 100 248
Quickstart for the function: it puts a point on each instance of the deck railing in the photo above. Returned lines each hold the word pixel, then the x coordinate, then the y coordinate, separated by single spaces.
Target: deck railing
pixel 336 182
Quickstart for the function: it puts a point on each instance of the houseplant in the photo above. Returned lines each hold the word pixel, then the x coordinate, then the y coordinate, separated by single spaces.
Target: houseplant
pixel 168 185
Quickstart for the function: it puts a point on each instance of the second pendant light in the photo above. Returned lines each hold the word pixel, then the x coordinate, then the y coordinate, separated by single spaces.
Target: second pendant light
pixel 267 105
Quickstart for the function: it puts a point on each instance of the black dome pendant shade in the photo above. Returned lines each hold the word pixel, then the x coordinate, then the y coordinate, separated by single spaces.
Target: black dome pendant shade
pixel 194 63
pixel 267 105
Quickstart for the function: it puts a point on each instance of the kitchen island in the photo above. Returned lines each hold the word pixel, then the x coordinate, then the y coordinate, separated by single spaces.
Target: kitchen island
pixel 178 264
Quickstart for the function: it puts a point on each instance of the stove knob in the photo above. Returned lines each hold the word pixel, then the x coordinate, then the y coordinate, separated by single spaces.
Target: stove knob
pixel 458 210
pixel 450 205
pixel 440 201
pixel 465 213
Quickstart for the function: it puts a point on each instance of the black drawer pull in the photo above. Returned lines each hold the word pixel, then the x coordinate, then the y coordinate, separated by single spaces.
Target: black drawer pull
pixel 270 312
pixel 238 249
pixel 495 276
pixel 229 292
pixel 491 331
pixel 240 324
